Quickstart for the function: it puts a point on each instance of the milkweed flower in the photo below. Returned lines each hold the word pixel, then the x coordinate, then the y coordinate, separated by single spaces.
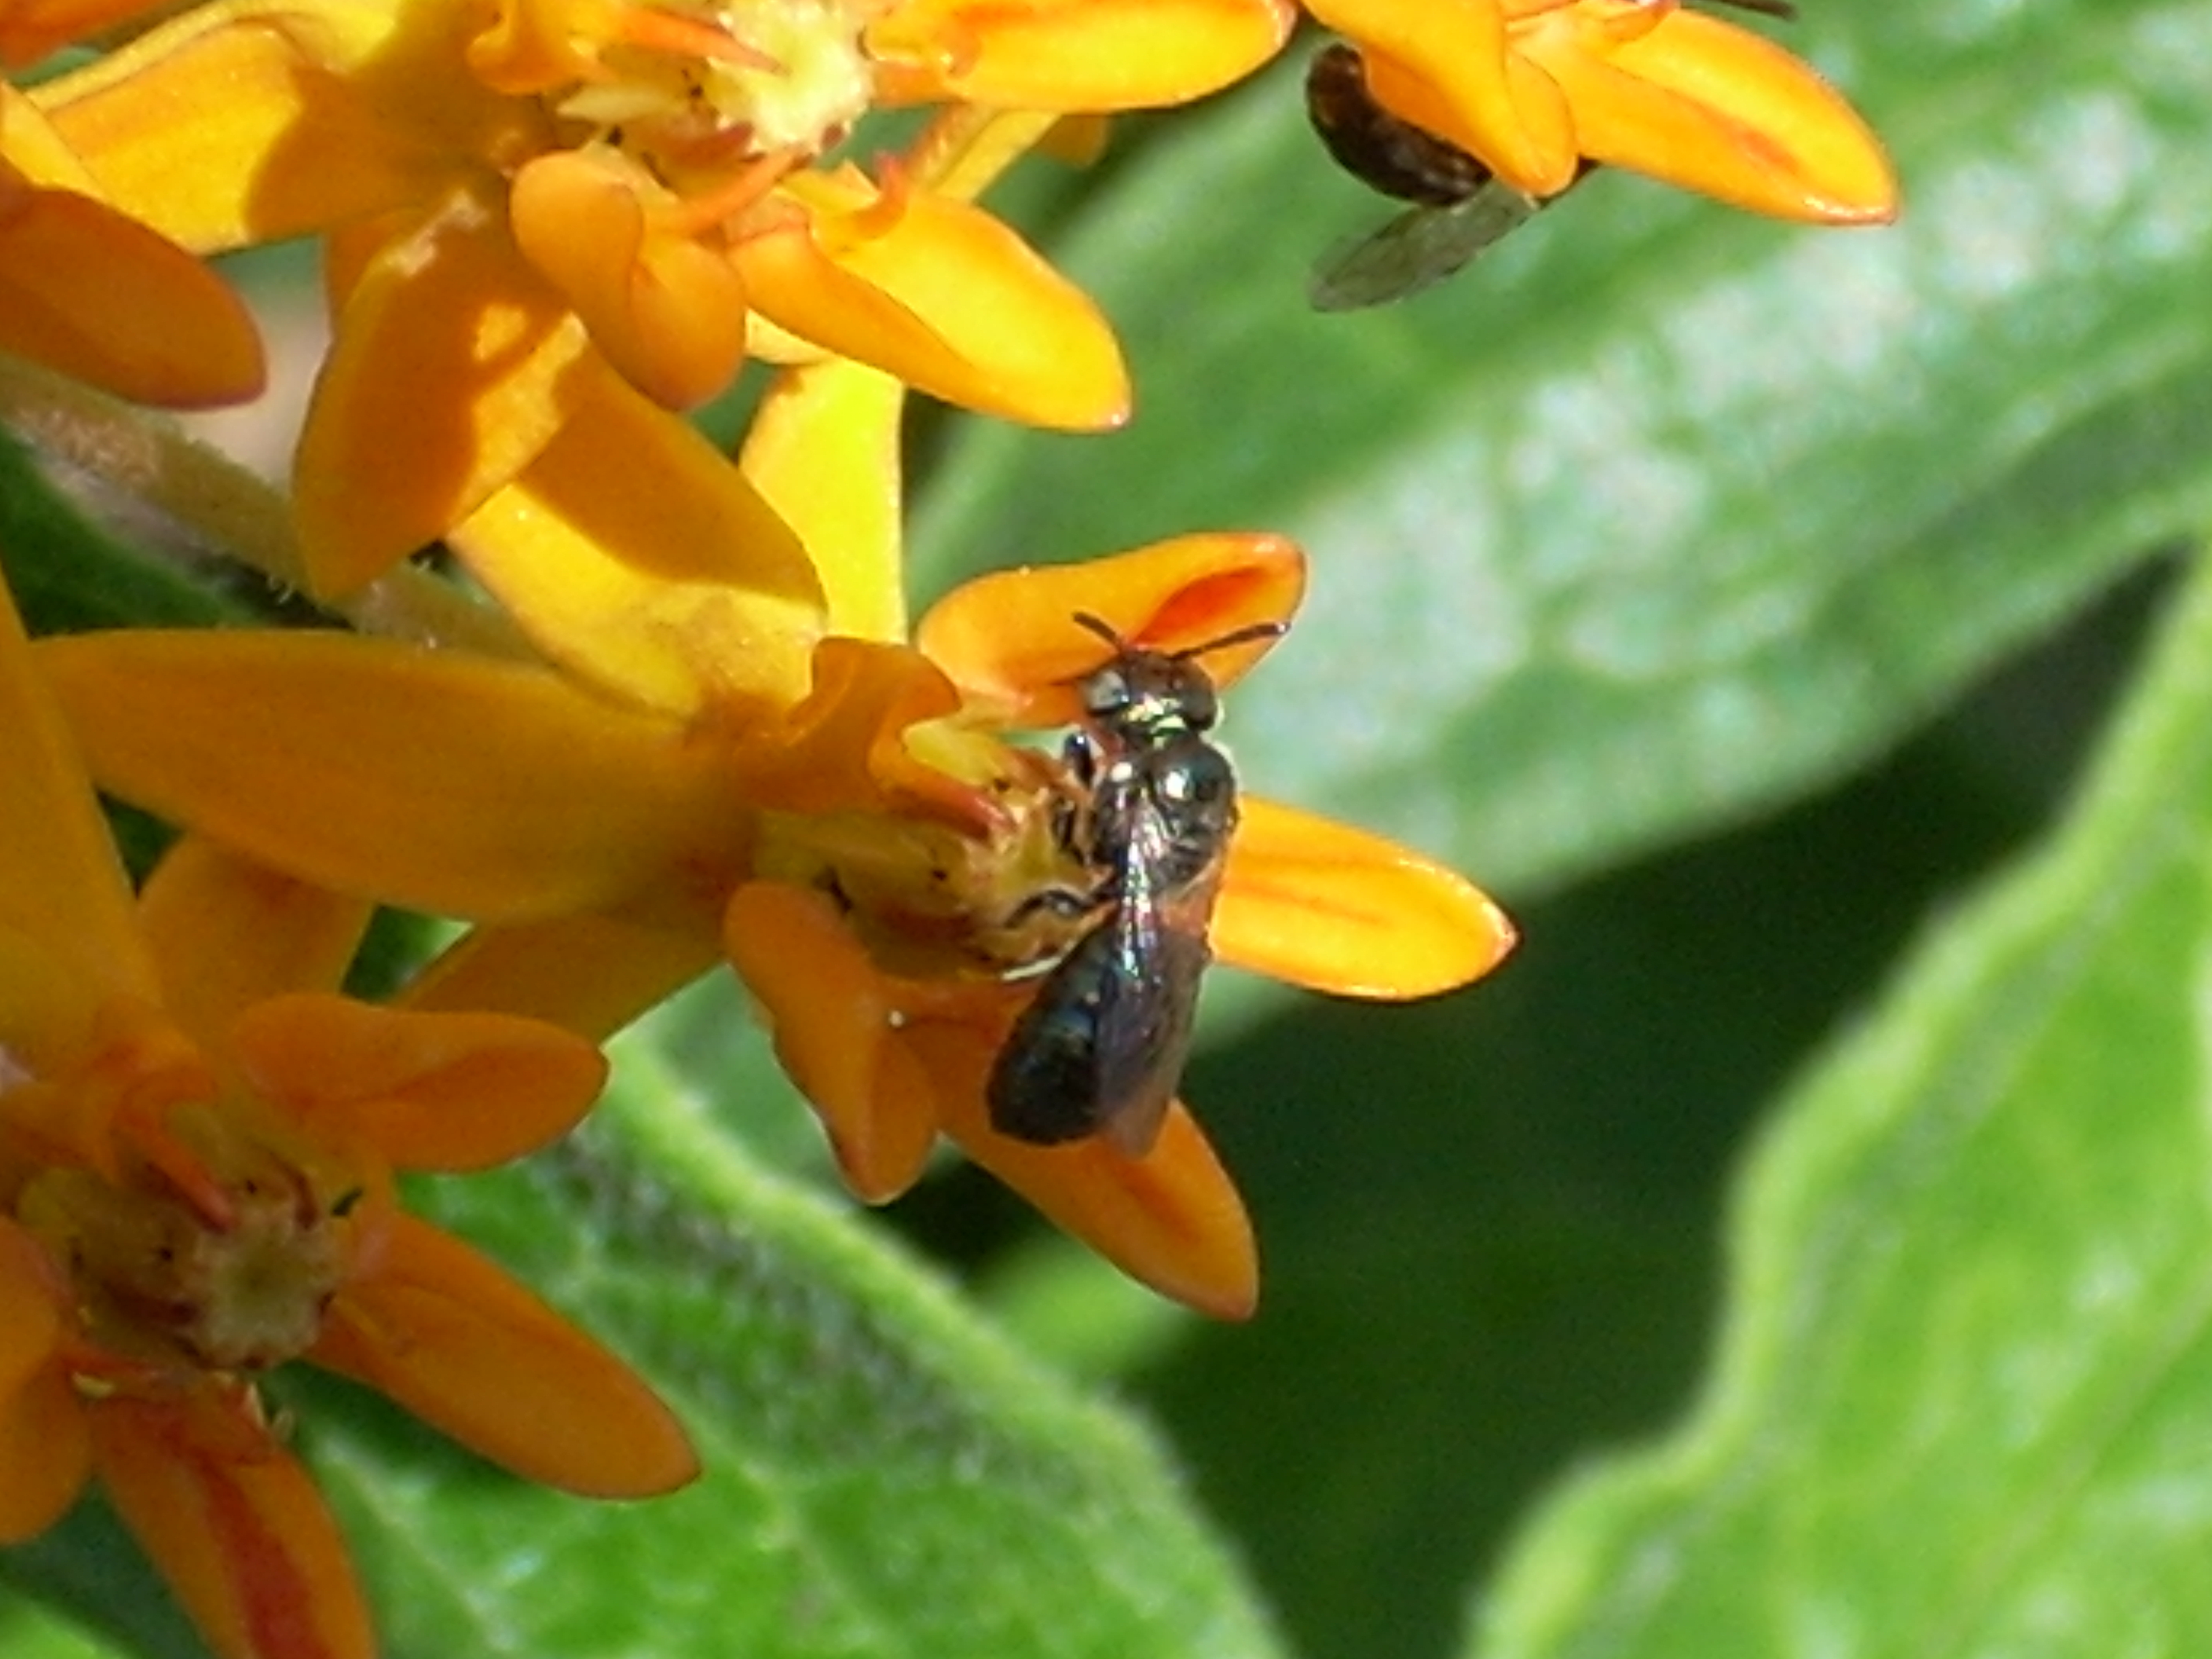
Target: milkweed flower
pixel 88 290
pixel 197 1146
pixel 728 756
pixel 1532 89
pixel 523 197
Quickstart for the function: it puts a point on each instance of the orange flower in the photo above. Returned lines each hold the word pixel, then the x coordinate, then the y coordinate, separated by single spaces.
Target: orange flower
pixel 521 199
pixel 197 1147
pixel 1532 88
pixel 86 289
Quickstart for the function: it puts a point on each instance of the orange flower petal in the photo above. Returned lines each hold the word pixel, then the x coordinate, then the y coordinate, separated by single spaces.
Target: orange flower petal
pixel 235 1524
pixel 950 301
pixel 85 290
pixel 837 1029
pixel 634 554
pixel 1717 109
pixel 1009 641
pixel 227 932
pixel 466 1348
pixel 443 782
pixel 838 420
pixel 534 46
pixel 1170 1219
pixel 669 314
pixel 48 1013
pixel 61 885
pixel 1447 67
pixel 243 123
pixel 533 970
pixel 44 1451
pixel 454 1092
pixel 30 29
pixel 1318 904
pixel 1073 55
pixel 453 365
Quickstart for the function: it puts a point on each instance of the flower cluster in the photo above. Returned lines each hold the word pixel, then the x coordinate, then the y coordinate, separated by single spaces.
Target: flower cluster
pixel 670 711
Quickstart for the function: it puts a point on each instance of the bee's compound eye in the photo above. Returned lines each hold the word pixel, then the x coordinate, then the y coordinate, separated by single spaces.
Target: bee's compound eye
pixel 1107 691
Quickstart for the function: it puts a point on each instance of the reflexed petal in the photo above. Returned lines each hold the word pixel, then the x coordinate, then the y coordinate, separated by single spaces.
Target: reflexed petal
pixel 235 123
pixel 589 973
pixel 1720 110
pixel 87 291
pixel 633 553
pixel 61 884
pixel 467 1349
pixel 1009 641
pixel 226 932
pixel 838 1034
pixel 31 1308
pixel 1446 66
pixel 235 1525
pixel 1323 905
pixel 1074 54
pixel 1171 1218
pixel 950 301
pixel 837 423
pixel 48 1011
pixel 453 365
pixel 454 1092
pixel 45 1453
pixel 442 783
pixel 668 313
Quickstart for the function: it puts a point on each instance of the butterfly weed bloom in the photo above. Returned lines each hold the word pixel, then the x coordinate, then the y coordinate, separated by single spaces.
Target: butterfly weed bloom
pixel 522 199
pixel 1533 88
pixel 197 1146
pixel 88 290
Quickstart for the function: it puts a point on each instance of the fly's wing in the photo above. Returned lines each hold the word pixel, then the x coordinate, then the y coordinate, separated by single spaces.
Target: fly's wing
pixel 1417 249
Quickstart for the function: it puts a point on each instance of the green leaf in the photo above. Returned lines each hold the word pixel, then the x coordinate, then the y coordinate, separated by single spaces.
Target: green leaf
pixel 885 1477
pixel 1964 1402
pixel 1659 512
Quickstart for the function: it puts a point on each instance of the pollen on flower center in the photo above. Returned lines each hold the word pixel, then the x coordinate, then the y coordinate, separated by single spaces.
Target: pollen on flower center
pixel 233 1276
pixel 781 75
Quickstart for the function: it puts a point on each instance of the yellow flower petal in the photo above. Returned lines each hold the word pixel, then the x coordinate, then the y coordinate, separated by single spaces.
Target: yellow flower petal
pixel 1705 104
pixel 1447 67
pixel 85 290
pixel 1170 1219
pixel 838 420
pixel 838 1034
pixel 240 123
pixel 948 299
pixel 668 312
pixel 61 884
pixel 1009 641
pixel 454 1092
pixel 453 366
pixel 1321 904
pixel 1074 55
pixel 467 1349
pixel 235 1524
pixel 633 553
pixel 444 783
pixel 533 970
pixel 227 932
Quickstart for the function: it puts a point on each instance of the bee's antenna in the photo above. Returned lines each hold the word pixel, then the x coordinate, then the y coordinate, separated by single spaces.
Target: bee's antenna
pixel 1244 635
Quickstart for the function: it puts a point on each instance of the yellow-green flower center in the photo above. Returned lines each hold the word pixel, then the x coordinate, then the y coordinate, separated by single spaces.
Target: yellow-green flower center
pixel 231 1270
pixel 758 77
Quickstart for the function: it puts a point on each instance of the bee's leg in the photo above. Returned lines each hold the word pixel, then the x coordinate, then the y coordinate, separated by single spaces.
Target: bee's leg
pixel 1068 903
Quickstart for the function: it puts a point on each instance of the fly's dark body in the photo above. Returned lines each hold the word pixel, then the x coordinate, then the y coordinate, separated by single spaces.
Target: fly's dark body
pixel 1461 208
pixel 1102 1048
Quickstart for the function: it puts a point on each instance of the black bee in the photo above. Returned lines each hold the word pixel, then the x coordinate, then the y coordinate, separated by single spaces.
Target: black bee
pixel 1461 208
pixel 1102 1048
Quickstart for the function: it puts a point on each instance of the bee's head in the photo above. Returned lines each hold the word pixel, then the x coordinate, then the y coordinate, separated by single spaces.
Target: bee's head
pixel 1141 694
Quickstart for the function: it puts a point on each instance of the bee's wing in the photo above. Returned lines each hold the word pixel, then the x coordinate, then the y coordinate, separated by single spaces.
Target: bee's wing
pixel 1418 247
pixel 1148 1017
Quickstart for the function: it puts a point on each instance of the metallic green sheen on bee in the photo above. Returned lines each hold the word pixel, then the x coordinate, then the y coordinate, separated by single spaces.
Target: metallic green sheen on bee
pixel 1102 1048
